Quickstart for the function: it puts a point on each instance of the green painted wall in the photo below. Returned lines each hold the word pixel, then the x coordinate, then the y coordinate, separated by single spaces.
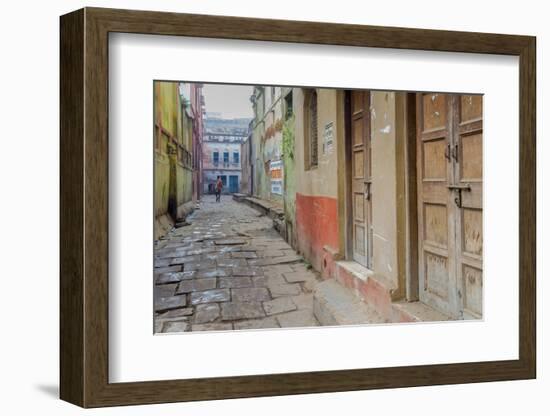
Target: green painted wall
pixel 267 140
pixel 289 182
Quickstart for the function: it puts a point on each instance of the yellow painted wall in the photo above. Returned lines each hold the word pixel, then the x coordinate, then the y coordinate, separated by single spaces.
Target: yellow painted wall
pixel 387 139
pixel 171 120
pixel 322 180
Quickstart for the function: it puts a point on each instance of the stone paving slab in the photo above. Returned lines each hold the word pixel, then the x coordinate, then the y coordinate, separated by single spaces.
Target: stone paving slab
pixel 278 269
pixel 228 249
pixel 175 326
pixel 288 289
pixel 214 272
pixel 167 269
pixel 275 280
pixel 279 305
pixel 241 310
pixel 163 262
pixel 229 241
pixel 209 296
pixel 217 255
pixel 231 263
pixel 174 277
pixel 163 291
pixel 272 253
pixel 303 301
pixel 175 313
pixel 235 282
pixel 248 294
pixel 267 261
pixel 299 276
pixel 171 302
pixel 216 326
pixel 244 255
pixel 196 285
pixel 260 323
pixel 184 259
pixel 299 318
pixel 168 253
pixel 206 312
pixel 200 265
pixel 259 281
pixel 158 326
pixel 247 271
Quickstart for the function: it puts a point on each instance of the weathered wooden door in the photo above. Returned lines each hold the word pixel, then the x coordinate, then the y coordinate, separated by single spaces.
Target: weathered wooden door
pixel 361 178
pixel 468 165
pixel 449 164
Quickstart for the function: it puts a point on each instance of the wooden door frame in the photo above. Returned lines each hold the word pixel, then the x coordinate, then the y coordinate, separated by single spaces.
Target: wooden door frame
pixel 348 174
pixel 448 306
pixel 412 278
pixel 410 291
pixel 348 252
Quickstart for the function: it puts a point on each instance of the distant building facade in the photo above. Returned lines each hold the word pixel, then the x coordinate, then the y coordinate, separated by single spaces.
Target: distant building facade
pixel 221 152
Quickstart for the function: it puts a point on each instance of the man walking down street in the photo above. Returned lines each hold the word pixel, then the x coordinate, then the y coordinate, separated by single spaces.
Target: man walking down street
pixel 219 187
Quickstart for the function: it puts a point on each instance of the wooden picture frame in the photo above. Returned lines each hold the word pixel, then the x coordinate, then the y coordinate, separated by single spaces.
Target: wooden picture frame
pixel 84 207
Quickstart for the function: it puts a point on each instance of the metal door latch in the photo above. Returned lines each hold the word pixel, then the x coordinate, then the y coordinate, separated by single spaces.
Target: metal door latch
pixel 454 153
pixel 367 190
pixel 458 190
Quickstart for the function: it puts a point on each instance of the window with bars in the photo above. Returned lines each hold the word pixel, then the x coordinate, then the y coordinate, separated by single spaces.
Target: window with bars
pixel 311 134
pixel 288 106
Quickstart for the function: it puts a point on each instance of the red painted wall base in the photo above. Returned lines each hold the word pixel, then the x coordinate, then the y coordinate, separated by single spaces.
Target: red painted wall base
pixel 317 227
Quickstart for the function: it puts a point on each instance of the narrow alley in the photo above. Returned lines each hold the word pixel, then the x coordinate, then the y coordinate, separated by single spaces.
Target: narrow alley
pixel 338 207
pixel 227 270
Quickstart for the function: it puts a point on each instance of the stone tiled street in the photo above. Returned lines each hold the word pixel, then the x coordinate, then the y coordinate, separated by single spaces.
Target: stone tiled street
pixel 229 269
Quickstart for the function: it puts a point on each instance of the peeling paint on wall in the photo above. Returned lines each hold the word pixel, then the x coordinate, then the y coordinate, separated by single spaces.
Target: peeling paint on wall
pixel 173 137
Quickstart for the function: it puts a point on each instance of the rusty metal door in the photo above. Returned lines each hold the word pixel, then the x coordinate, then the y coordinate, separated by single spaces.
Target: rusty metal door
pixel 361 178
pixel 449 164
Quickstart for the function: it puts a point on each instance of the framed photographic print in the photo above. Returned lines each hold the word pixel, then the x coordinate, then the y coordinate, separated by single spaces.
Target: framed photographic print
pixel 257 207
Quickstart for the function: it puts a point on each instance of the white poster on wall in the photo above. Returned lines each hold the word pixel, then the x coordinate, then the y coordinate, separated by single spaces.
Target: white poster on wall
pixel 328 138
pixel 276 172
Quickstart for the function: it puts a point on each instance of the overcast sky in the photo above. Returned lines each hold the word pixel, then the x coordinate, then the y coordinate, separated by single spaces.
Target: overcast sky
pixel 232 101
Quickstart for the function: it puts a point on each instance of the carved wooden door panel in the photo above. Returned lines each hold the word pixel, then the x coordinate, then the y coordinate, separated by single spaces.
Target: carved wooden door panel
pixel 436 228
pixel 361 178
pixel 450 180
pixel 468 166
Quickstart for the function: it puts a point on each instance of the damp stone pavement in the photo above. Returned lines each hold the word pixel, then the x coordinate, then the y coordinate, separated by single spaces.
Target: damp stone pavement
pixel 230 270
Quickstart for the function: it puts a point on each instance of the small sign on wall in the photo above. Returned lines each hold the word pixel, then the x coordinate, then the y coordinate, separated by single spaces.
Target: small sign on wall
pixel 276 171
pixel 328 138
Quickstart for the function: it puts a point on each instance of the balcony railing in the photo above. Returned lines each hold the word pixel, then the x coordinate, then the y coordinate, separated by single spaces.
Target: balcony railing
pixel 234 165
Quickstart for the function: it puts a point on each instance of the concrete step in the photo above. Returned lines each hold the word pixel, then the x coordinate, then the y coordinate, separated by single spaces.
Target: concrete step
pixel 333 304
pixel 271 209
pixel 369 287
